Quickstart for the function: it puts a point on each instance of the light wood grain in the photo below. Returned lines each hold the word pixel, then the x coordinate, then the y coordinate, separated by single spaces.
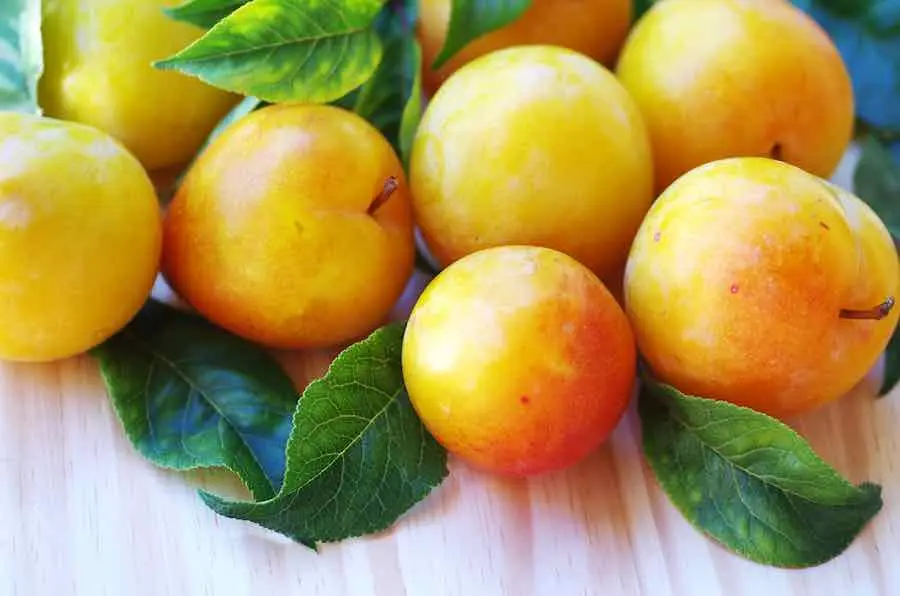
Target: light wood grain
pixel 82 514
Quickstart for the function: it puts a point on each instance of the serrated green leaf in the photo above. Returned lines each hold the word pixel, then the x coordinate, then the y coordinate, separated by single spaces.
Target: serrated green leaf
pixel 204 13
pixel 471 19
pixel 867 34
pixel 749 481
pixel 21 55
pixel 312 51
pixel 190 395
pixel 358 457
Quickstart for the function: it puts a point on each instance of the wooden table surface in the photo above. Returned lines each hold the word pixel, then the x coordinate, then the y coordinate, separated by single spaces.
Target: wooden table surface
pixel 81 513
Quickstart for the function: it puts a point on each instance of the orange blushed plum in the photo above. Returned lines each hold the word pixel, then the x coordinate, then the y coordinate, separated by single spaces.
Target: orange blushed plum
pixel 755 282
pixel 519 360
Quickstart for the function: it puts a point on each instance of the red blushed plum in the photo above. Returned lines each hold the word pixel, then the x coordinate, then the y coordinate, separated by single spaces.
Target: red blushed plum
pixel 519 360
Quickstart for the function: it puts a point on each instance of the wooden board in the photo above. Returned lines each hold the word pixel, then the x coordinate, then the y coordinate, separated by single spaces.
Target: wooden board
pixel 82 514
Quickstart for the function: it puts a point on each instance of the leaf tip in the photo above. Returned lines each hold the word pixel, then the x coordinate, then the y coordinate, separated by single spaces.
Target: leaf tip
pixel 170 63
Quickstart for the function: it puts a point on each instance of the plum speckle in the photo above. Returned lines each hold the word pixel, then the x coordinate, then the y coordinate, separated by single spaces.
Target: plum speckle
pixel 657 236
pixel 524 400
pixel 735 289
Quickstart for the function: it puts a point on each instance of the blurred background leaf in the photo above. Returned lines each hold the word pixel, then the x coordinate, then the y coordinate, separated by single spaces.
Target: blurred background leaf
pixel 867 33
pixel 21 55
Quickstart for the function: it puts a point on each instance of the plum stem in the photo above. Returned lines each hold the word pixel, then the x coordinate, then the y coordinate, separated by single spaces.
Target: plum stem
pixel 390 185
pixel 776 152
pixel 873 314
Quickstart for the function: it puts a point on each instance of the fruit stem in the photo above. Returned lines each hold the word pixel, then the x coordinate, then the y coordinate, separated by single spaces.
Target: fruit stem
pixel 390 185
pixel 873 314
pixel 776 152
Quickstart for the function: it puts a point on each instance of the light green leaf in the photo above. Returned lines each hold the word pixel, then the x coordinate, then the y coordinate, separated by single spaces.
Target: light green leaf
pixel 358 457
pixel 749 481
pixel 204 13
pixel 190 395
pixel 21 55
pixel 312 51
pixel 244 107
pixel 412 111
pixel 471 19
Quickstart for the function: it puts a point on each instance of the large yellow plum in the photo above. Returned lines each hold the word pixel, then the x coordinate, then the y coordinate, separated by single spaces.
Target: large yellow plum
pixel 80 237
pixel 99 70
pixel 732 78
pixel 755 282
pixel 532 145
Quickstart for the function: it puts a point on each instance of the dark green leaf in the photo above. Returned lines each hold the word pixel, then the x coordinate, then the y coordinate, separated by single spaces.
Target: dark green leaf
pixel 391 98
pixel 358 457
pixel 311 51
pixel 397 19
pixel 190 395
pixel 640 7
pixel 412 111
pixel 877 182
pixel 891 365
pixel 471 19
pixel 878 16
pixel 204 13
pixel 749 481
pixel 867 33
pixel 21 55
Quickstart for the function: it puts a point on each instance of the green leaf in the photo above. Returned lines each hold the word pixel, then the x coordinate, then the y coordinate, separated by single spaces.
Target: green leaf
pixel 358 457
pixel 392 98
pixel 876 180
pixel 204 13
pixel 412 111
pixel 190 395
pixel 21 55
pixel 640 7
pixel 891 365
pixel 312 51
pixel 244 107
pixel 471 19
pixel 749 481
pixel 867 34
